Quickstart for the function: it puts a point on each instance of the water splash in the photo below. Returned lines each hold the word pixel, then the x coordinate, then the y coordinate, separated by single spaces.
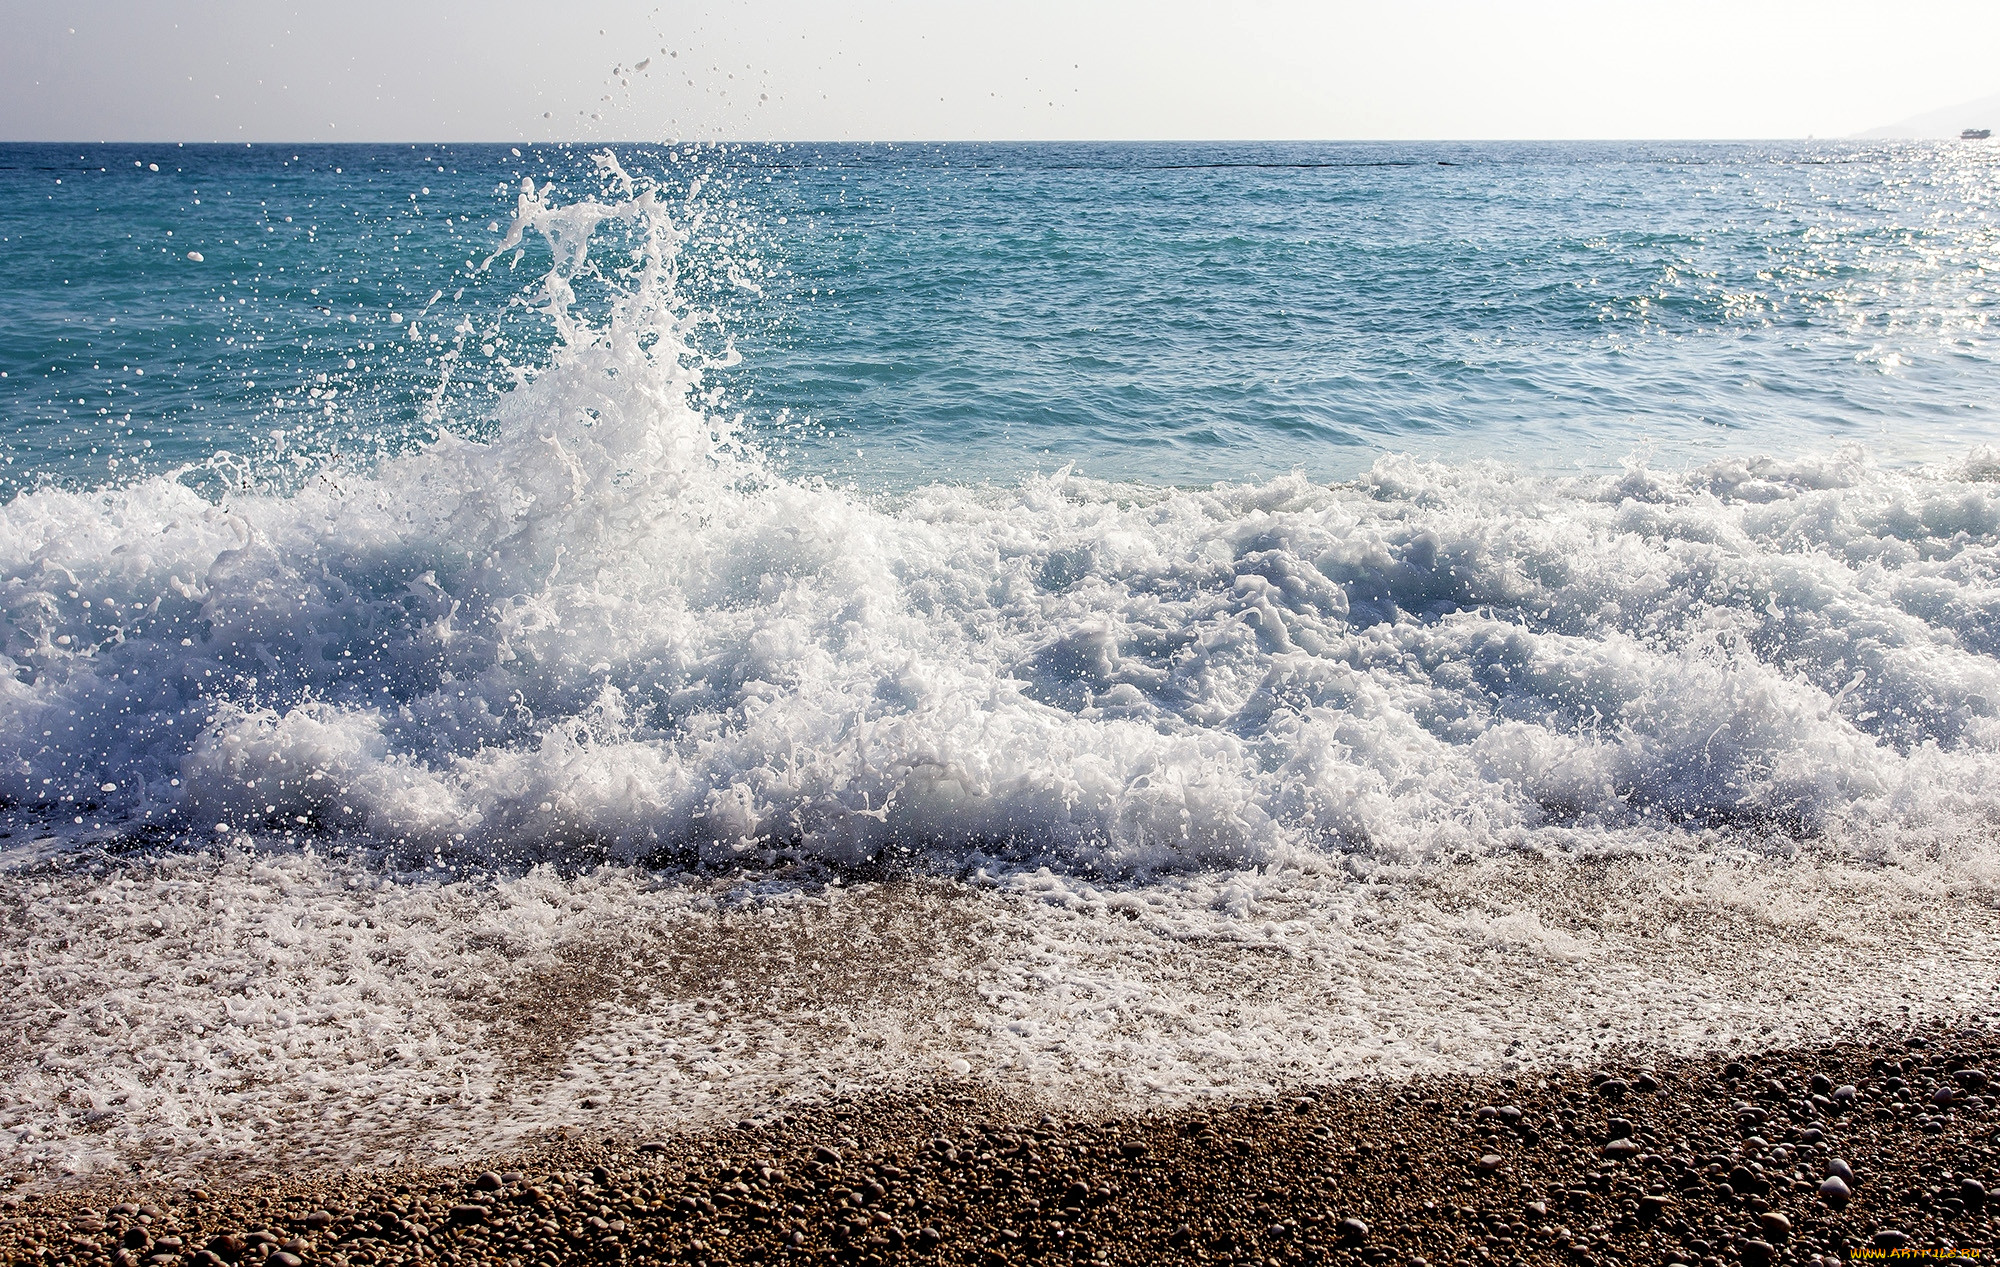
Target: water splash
pixel 611 631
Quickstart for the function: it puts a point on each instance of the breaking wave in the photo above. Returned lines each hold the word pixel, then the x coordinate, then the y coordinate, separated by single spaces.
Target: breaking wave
pixel 609 629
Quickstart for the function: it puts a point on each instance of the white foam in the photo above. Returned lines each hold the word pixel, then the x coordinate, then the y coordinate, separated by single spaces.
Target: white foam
pixel 611 633
pixel 228 1009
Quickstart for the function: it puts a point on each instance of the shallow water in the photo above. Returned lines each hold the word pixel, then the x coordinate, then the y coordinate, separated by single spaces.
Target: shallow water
pixel 747 623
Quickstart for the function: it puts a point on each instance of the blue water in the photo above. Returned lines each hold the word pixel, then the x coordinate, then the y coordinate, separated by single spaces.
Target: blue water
pixel 1165 313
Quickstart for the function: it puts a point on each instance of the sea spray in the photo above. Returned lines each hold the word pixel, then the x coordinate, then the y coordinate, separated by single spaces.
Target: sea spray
pixel 611 631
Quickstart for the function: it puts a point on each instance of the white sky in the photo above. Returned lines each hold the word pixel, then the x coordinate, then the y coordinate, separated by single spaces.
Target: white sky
pixel 368 70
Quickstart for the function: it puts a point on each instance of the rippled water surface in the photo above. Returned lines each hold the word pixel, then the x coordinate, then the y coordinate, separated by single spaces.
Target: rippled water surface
pixel 1172 314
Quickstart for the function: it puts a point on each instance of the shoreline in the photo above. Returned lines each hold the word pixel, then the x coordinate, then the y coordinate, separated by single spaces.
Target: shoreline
pixel 1705 1159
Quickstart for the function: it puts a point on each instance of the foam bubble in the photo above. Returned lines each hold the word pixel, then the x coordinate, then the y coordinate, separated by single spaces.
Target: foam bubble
pixel 236 1010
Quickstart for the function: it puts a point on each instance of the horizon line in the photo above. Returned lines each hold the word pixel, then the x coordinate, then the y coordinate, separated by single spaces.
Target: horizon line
pixel 1241 140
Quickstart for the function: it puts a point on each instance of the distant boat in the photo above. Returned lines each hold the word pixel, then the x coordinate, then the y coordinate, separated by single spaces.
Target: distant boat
pixel 1975 134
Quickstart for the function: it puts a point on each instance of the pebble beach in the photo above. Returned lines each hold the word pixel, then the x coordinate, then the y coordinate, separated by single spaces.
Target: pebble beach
pixel 1885 1144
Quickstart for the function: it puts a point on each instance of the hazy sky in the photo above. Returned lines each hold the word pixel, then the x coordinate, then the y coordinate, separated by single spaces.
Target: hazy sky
pixel 358 70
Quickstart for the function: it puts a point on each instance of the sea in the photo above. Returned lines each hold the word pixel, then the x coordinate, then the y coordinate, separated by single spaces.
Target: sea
pixel 507 639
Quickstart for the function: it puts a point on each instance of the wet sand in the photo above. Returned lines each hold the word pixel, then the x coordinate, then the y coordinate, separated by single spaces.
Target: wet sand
pixel 1717 1159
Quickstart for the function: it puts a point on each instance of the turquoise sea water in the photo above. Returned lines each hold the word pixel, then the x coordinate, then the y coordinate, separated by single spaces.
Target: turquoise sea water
pixel 1171 314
